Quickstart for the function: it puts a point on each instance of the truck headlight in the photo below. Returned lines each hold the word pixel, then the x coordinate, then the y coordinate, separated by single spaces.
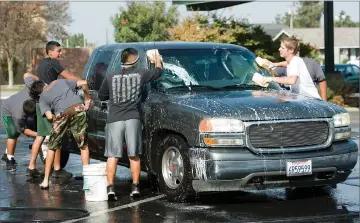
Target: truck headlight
pixel 221 125
pixel 342 127
pixel 222 139
pixel 341 120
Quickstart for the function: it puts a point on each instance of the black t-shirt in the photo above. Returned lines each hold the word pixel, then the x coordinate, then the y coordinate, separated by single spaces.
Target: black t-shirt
pixel 49 70
pixel 124 89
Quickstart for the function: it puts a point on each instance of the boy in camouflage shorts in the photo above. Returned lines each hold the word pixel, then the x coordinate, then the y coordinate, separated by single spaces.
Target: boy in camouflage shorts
pixel 61 105
pixel 73 118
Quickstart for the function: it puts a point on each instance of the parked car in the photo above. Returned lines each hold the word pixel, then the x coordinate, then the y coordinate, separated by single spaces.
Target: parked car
pixel 350 72
pixel 208 127
pixel 355 62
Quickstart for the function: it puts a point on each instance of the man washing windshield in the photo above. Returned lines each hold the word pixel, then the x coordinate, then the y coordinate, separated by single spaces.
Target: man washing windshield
pixel 298 75
pixel 123 89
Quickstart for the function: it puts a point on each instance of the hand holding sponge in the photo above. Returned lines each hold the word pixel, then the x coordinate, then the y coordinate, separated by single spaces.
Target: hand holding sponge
pixel 153 54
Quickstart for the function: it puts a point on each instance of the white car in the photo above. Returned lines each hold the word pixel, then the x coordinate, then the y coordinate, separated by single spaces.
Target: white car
pixel 356 61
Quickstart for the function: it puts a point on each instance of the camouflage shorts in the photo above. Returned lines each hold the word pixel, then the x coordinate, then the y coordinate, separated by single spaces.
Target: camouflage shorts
pixel 73 119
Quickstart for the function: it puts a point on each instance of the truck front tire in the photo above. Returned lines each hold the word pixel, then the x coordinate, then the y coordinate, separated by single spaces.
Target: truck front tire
pixel 174 170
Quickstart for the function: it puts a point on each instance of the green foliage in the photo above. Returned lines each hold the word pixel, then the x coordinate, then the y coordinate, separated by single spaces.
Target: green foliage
pixel 307 15
pixel 344 20
pixel 4 67
pixel 257 40
pixel 330 94
pixel 338 90
pixel 76 40
pixel 214 28
pixel 345 60
pixel 285 19
pixel 143 21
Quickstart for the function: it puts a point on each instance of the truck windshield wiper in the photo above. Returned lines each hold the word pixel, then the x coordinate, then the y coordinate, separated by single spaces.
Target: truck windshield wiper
pixel 190 87
pixel 234 86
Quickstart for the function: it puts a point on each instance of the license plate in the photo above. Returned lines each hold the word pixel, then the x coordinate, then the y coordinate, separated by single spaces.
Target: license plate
pixel 298 168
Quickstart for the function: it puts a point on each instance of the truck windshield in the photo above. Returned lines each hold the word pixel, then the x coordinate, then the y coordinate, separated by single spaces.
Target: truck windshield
pixel 210 67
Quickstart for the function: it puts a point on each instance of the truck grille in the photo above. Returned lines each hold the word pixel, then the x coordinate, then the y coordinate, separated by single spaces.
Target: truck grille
pixel 288 134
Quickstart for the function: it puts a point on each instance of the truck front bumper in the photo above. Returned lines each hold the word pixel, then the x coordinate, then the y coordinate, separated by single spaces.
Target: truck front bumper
pixel 233 169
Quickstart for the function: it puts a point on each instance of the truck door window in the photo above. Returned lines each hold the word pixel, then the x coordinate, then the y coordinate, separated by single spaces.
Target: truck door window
pixel 348 71
pixel 356 71
pixel 98 69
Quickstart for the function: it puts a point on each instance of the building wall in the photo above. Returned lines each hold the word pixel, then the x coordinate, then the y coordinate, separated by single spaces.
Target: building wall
pixel 341 54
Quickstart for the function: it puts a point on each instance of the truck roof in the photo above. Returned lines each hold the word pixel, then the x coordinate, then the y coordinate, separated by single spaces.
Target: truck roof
pixel 169 45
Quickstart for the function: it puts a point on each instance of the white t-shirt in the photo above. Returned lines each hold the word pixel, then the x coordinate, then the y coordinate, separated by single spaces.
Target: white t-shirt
pixel 304 84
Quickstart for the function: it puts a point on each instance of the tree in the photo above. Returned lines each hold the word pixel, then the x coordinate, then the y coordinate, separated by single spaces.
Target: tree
pixel 199 29
pixel 76 40
pixel 344 20
pixel 24 22
pixel 57 18
pixel 285 20
pixel 308 15
pixel 214 28
pixel 142 21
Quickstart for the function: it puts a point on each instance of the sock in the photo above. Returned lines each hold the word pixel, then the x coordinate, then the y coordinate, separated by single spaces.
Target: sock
pixel 10 156
pixel 6 151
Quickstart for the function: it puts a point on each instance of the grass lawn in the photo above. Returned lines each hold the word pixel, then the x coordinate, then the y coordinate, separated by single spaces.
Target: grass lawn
pixel 14 88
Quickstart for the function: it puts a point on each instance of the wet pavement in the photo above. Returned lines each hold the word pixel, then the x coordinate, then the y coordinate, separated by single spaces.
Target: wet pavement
pixel 22 200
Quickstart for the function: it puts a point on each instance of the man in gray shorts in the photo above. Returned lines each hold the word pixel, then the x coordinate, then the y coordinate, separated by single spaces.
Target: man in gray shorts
pixel 123 89
pixel 315 71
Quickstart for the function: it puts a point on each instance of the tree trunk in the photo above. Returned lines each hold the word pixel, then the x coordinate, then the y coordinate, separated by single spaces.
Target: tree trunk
pixel 10 61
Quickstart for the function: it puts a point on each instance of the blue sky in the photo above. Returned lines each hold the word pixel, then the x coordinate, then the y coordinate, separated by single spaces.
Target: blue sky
pixel 93 18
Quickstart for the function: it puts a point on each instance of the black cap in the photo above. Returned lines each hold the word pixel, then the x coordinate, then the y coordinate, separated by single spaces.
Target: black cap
pixel 124 56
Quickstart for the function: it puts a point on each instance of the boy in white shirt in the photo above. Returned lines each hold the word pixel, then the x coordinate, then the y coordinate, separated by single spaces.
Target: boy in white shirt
pixel 298 76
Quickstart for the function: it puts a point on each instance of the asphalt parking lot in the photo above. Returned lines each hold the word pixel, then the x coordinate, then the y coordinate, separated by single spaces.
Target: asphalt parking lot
pixel 22 200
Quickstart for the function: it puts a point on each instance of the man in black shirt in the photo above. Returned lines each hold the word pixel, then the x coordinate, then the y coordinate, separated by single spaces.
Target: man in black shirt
pixel 123 89
pixel 49 70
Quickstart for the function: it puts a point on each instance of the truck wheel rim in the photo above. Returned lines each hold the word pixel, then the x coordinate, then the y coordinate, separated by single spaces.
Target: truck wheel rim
pixel 172 167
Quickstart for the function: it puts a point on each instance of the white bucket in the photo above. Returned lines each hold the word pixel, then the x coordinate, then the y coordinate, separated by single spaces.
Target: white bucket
pixel 95 182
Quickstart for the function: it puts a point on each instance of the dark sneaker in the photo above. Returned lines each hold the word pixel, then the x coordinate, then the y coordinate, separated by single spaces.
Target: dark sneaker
pixel 135 190
pixel 61 173
pixel 10 164
pixel 4 158
pixel 111 193
pixel 34 173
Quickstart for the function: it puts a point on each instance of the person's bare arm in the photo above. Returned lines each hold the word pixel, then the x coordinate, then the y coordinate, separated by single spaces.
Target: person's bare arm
pixel 67 75
pixel 290 80
pixel 49 115
pixel 87 98
pixel 281 64
pixel 158 61
pixel 30 132
pixel 84 85
pixel 26 75
pixel 323 89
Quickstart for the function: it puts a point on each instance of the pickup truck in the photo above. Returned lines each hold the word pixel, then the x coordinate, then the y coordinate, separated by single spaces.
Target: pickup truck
pixel 208 127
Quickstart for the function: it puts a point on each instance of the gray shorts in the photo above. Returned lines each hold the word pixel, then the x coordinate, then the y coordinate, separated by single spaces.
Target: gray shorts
pixel 117 133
